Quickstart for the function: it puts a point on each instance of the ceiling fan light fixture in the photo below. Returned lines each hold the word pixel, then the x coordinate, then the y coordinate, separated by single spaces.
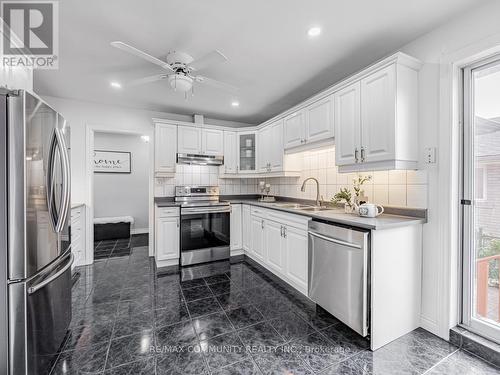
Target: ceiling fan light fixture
pixel 116 85
pixel 180 82
pixel 235 103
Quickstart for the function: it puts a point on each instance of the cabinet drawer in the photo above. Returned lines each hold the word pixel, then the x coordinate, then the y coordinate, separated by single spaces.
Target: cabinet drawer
pixel 292 220
pixel 167 211
pixel 257 211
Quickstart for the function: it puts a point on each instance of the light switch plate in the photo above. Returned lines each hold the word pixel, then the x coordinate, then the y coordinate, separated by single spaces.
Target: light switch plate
pixel 430 155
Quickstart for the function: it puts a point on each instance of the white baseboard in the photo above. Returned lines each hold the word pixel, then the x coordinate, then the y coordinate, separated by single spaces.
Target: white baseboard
pixel 237 252
pixel 139 231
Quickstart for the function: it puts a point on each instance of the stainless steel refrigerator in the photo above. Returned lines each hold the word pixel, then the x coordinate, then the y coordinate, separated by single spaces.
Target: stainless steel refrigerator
pixel 35 248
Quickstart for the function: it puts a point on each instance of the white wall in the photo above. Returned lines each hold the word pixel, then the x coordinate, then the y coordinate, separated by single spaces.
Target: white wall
pixel 117 194
pixel 472 28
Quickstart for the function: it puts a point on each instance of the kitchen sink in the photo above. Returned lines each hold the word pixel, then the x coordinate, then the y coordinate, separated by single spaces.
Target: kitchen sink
pixel 295 206
pixel 316 209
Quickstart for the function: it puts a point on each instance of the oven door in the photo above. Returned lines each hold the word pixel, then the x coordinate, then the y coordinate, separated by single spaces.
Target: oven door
pixel 205 233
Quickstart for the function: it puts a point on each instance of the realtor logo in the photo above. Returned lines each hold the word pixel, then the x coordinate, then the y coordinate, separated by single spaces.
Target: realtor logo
pixel 30 33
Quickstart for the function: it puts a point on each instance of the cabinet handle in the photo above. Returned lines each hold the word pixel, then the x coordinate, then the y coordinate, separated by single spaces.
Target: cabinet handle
pixel 356 155
pixel 284 232
pixel 362 154
pixel 262 224
pixel 178 223
pixel 281 231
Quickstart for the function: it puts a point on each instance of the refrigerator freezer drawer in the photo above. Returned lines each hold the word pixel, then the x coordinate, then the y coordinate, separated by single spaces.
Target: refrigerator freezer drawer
pixel 39 317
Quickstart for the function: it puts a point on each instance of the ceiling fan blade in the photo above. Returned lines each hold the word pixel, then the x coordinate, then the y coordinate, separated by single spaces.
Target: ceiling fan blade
pixel 144 80
pixel 217 84
pixel 136 52
pixel 213 57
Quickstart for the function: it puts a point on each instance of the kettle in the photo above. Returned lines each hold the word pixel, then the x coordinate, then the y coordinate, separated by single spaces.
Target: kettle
pixel 370 210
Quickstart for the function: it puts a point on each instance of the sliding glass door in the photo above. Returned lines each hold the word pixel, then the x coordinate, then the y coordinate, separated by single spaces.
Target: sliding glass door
pixel 481 198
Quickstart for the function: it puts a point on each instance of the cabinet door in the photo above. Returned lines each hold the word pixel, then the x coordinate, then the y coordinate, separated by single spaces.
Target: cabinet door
pixel 167 238
pixel 275 258
pixel 347 114
pixel 276 147
pixel 294 130
pixel 319 120
pixel 212 142
pixel 246 150
pixel 247 228
pixel 189 140
pixel 235 225
pixel 258 237
pixel 230 156
pixel 378 115
pixel 165 148
pixel 296 249
pixel 263 149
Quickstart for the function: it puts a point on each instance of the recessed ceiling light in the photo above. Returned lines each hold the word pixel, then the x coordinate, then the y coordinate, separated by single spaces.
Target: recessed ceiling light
pixel 235 103
pixel 314 31
pixel 116 85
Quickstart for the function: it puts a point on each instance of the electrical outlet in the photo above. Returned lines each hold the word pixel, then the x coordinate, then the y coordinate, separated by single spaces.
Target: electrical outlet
pixel 430 155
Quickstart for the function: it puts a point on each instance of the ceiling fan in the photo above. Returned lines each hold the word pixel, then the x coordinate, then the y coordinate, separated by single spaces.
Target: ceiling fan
pixel 180 69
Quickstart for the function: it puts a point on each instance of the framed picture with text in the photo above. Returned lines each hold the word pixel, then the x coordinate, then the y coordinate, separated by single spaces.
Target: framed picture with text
pixel 112 161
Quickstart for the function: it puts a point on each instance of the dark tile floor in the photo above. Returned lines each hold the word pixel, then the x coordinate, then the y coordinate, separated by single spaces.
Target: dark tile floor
pixel 128 318
pixel 120 247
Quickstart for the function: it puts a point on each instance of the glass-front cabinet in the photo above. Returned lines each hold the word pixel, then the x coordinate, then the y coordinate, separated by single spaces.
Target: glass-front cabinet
pixel 246 152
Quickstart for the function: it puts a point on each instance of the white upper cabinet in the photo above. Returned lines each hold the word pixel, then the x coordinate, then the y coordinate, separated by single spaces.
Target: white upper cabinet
pixel 376 119
pixel 294 130
pixel 230 152
pixel 311 124
pixel 247 152
pixel 270 148
pixel 165 149
pixel 275 149
pixel 319 120
pixel 378 115
pixel 189 140
pixel 212 142
pixel 347 124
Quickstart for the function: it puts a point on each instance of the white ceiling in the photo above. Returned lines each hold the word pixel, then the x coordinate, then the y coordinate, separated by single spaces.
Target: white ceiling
pixel 271 58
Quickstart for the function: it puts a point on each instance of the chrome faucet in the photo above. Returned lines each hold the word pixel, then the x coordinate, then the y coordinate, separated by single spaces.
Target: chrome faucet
pixel 303 188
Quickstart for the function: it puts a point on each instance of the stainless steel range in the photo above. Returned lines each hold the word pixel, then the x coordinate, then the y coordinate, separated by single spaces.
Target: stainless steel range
pixel 205 224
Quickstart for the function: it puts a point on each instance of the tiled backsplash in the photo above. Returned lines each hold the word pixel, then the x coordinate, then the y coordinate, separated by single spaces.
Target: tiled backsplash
pixel 395 188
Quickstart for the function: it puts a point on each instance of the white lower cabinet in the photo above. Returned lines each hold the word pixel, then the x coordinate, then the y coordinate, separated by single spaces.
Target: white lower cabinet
pixel 279 243
pixel 257 248
pixel 296 246
pixel 236 235
pixel 274 243
pixel 167 249
pixel 78 235
pixel 246 227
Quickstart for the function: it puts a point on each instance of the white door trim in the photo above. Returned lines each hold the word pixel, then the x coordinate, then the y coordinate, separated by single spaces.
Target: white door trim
pixel 449 278
pixel 90 131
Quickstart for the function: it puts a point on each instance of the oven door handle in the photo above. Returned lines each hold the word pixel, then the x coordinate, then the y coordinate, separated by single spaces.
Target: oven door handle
pixel 205 210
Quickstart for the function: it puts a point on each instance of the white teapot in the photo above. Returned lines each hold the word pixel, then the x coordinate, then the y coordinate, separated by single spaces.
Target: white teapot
pixel 370 210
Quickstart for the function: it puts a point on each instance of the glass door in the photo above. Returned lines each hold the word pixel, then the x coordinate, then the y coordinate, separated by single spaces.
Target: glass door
pixel 246 152
pixel 481 198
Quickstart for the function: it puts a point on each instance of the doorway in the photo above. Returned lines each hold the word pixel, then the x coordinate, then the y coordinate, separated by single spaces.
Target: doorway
pixel 116 195
pixel 481 198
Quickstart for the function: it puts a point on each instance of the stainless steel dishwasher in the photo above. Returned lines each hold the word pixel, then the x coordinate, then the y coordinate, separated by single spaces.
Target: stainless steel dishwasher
pixel 338 272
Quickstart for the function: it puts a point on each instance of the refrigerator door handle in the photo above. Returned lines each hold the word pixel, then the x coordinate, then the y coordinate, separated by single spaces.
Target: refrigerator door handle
pixel 50 181
pixel 63 152
pixel 39 286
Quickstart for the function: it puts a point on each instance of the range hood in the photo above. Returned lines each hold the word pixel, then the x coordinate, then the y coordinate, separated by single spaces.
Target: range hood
pixel 200 159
